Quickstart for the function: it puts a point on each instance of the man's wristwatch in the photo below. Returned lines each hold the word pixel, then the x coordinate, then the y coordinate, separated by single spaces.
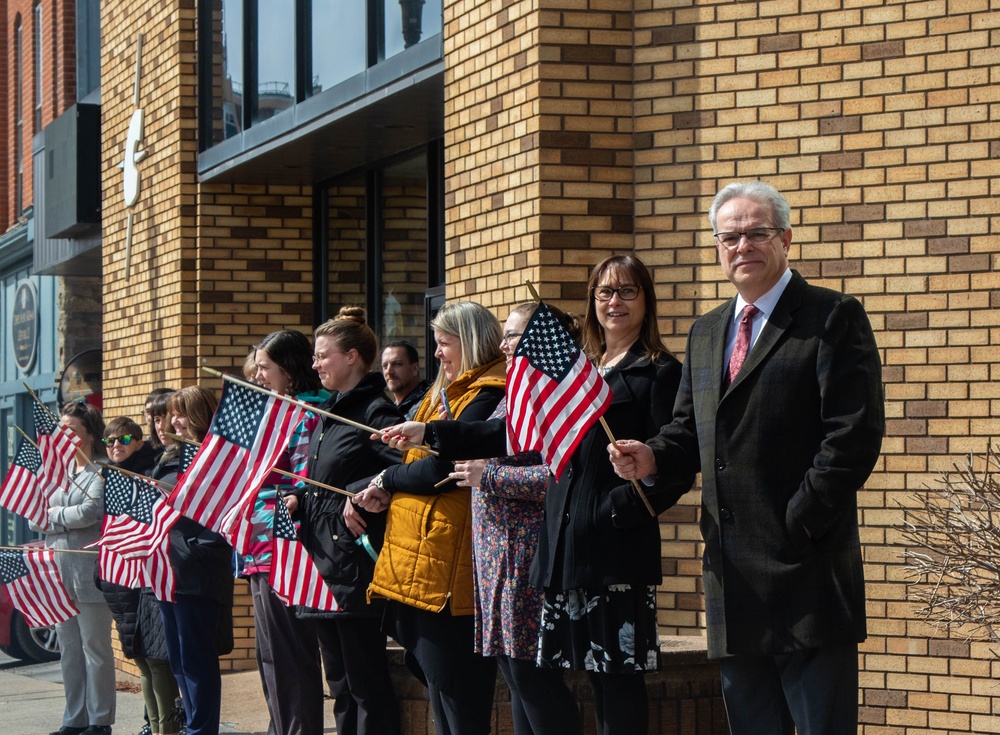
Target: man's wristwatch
pixel 378 481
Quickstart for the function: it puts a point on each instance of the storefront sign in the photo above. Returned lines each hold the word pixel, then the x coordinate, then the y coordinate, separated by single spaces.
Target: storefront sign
pixel 24 325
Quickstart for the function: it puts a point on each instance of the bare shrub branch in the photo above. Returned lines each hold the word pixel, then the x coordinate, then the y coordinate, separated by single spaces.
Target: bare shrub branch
pixel 953 559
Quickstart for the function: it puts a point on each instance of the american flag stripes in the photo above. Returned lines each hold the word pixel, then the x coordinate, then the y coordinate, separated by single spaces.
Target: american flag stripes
pixel 115 568
pixel 25 490
pixel 35 587
pixel 249 431
pixel 554 393
pixel 57 445
pixel 294 576
pixel 136 515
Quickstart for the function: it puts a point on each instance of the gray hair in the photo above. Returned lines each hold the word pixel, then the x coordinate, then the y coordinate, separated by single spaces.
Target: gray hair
pixel 759 191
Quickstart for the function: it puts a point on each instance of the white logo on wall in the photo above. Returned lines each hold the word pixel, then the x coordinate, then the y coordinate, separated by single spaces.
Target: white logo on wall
pixel 132 181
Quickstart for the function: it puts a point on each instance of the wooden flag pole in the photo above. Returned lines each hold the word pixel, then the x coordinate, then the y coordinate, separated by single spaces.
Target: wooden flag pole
pixel 635 483
pixel 136 475
pixel 285 473
pixel 302 404
pixel 39 549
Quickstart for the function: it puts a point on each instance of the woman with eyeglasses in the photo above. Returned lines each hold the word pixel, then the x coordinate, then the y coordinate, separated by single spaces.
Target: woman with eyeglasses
pixel 136 614
pixel 343 541
pixel 126 446
pixel 598 558
pixel 508 502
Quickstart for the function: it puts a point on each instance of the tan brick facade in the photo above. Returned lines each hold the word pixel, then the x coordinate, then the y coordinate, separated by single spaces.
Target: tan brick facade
pixel 578 128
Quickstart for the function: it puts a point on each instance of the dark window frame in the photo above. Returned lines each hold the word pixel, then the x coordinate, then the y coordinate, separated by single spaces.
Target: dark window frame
pixel 375 55
pixel 375 235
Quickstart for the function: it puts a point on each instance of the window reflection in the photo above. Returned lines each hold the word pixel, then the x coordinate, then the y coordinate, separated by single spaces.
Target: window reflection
pixel 404 252
pixel 275 58
pixel 347 243
pixel 229 70
pixel 338 42
pixel 408 22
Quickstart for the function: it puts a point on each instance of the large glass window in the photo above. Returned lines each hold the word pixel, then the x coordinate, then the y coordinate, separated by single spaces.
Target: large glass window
pixel 404 251
pixel 339 47
pixel 259 57
pixel 227 70
pixel 380 246
pixel 275 90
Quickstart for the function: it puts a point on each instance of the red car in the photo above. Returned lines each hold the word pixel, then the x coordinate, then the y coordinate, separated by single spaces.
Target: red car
pixel 19 640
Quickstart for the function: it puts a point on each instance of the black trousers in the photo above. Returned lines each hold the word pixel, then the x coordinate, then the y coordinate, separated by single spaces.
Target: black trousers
pixel 540 701
pixel 813 692
pixel 621 703
pixel 288 661
pixel 358 676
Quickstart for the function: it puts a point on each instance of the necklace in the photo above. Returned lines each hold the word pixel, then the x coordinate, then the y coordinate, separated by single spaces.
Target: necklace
pixel 606 365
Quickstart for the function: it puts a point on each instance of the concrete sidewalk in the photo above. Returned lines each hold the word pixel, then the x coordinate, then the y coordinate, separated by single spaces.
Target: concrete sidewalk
pixel 31 702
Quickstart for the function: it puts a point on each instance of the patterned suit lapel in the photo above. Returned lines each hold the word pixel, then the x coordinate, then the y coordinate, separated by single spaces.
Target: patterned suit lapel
pixel 718 350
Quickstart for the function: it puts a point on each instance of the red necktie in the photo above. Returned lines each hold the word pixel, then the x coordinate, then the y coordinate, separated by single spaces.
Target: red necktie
pixel 742 346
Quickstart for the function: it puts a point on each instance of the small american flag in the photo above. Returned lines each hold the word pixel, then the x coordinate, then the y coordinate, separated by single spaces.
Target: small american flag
pixel 249 431
pixel 294 576
pixel 136 515
pixel 554 393
pixel 57 445
pixel 35 587
pixel 25 490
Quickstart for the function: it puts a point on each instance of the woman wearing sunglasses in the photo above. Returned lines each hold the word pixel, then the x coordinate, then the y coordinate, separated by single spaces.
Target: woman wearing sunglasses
pixel 136 613
pixel 126 447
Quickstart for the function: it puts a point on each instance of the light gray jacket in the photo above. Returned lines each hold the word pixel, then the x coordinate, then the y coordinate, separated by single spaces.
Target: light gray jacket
pixel 75 518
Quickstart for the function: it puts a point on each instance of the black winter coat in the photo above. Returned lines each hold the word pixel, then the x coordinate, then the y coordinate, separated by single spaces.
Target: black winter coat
pixel 201 559
pixel 124 601
pixel 142 462
pixel 124 605
pixel 343 456
pixel 597 530
pixel 151 641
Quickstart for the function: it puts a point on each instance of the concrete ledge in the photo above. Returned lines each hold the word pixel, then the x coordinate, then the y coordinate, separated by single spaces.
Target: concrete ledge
pixel 685 696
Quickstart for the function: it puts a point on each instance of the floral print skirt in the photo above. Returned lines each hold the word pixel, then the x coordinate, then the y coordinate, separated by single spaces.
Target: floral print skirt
pixel 610 630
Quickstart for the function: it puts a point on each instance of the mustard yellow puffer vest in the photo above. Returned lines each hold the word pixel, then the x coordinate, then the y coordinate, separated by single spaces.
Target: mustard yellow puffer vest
pixel 426 560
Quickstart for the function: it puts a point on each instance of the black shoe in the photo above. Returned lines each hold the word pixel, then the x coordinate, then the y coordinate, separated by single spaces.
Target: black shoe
pixel 97 730
pixel 146 730
pixel 179 716
pixel 67 730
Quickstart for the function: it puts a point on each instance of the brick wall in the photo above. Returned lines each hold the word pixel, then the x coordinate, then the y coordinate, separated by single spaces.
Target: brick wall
pixel 578 128
pixel 213 267
pixel 879 121
pixel 57 83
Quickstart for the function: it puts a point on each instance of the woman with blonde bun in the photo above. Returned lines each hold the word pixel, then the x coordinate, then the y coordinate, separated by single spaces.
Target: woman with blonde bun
pixel 342 539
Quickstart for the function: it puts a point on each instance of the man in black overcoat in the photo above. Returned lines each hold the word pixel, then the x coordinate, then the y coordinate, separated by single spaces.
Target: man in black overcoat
pixel 785 432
